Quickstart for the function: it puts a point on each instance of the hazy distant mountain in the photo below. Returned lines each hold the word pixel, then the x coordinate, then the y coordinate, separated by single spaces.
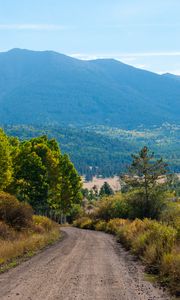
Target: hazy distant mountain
pixel 47 87
pixel 172 76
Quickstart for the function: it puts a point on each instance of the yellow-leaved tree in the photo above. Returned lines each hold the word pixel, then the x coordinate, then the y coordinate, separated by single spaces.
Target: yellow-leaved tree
pixel 5 161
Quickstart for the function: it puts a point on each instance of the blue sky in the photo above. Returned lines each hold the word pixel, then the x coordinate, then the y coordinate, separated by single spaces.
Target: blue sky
pixel 143 33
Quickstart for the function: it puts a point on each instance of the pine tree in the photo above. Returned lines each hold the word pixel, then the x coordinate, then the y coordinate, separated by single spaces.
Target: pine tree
pixel 106 190
pixel 145 172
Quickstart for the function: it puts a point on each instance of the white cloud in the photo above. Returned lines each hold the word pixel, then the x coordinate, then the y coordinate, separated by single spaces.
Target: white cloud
pixel 141 66
pixel 129 56
pixel 86 56
pixel 142 60
pixel 31 27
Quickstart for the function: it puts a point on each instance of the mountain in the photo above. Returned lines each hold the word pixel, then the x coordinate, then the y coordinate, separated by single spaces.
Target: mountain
pixel 172 76
pixel 51 88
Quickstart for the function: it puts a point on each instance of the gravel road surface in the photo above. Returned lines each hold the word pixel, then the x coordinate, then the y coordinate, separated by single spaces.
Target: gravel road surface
pixel 85 265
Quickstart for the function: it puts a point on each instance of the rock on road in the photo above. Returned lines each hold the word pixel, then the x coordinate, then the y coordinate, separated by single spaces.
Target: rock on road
pixel 85 265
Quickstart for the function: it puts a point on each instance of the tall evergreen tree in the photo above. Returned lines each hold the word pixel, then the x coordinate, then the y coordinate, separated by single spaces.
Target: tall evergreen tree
pixel 146 170
pixel 106 190
pixel 147 194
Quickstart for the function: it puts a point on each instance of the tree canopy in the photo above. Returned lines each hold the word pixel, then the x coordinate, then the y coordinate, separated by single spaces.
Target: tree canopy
pixel 5 161
pixel 37 173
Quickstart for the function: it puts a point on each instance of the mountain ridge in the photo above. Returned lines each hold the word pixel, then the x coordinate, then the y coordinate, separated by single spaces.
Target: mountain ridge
pixel 38 87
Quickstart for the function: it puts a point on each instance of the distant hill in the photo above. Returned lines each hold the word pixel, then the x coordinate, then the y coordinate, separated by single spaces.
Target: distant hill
pixel 51 88
pixel 105 150
pixel 172 76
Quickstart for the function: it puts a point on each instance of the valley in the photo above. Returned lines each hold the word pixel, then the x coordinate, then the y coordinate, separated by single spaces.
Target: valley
pixel 63 120
pixel 90 150
pixel 106 151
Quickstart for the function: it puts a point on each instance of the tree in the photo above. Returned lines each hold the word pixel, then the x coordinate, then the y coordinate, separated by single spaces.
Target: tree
pixel 146 172
pixel 50 154
pixel 5 161
pixel 42 176
pixel 36 172
pixel 109 207
pixel 85 193
pixel 106 190
pixel 30 178
pixel 70 191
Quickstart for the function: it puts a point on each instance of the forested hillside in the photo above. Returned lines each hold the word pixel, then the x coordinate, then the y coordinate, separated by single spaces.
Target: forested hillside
pixel 100 111
pixel 107 151
pixel 39 87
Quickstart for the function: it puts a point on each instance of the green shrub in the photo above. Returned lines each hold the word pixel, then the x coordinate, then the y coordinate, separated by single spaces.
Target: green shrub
pixel 111 207
pixel 43 223
pixel 127 233
pixel 75 212
pixel 171 216
pixel 140 207
pixel 154 243
pixel 115 224
pixel 149 240
pixel 84 223
pixel 15 213
pixel 170 271
pixel 101 226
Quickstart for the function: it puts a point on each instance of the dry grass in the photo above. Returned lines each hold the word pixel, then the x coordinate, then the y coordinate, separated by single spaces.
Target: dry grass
pixel 27 242
pixel 98 182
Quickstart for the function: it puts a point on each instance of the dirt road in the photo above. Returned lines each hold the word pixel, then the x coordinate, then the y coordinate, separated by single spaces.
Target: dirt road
pixel 86 265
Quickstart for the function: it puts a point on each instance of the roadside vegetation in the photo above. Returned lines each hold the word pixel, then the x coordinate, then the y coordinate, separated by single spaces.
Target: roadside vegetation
pixel 36 181
pixel 144 216
pixel 22 234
